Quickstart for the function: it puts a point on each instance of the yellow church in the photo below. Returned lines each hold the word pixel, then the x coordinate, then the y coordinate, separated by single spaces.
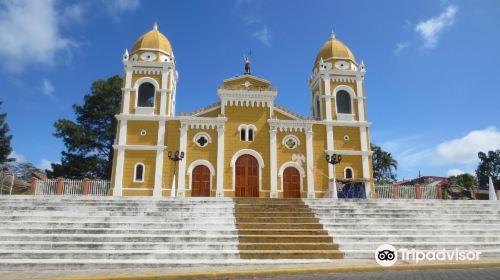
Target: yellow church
pixel 244 145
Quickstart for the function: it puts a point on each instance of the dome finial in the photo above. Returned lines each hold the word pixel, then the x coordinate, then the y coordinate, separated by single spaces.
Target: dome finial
pixel 155 25
pixel 332 35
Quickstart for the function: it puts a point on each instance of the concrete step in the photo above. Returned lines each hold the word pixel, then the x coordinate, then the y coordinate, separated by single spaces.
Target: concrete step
pixel 415 238
pixel 91 264
pixel 117 238
pixel 422 245
pixel 291 219
pixel 274 214
pixel 436 220
pixel 281 231
pixel 173 214
pixel 119 254
pixel 291 254
pixel 284 238
pixel 404 226
pixel 339 232
pixel 289 246
pixel 206 225
pixel 94 219
pixel 265 226
pixel 405 211
pixel 181 232
pixel 49 245
pixel 367 254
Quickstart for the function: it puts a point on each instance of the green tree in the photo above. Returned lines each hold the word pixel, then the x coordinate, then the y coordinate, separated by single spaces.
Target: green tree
pixel 384 165
pixel 463 181
pixel 5 138
pixel 89 139
pixel 489 165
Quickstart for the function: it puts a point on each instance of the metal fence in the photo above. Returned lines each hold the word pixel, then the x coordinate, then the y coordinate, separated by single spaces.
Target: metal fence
pixel 71 187
pixel 407 191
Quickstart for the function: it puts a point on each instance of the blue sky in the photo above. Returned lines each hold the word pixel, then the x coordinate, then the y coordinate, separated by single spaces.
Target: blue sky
pixel 432 87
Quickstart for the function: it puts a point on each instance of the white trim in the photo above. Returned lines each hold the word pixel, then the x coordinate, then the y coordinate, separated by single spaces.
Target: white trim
pixel 352 94
pixel 247 128
pixel 349 152
pixel 135 172
pixel 138 147
pixel 246 76
pixel 120 158
pixel 309 162
pixel 281 111
pixel 253 153
pixel 181 181
pixel 328 101
pixel 296 166
pixel 196 163
pixel 220 161
pixel 138 83
pixel 273 162
pixel 199 134
pixel 345 172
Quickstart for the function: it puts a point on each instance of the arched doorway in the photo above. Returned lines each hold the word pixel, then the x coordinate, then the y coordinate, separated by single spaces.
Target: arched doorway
pixel 200 184
pixel 291 183
pixel 247 177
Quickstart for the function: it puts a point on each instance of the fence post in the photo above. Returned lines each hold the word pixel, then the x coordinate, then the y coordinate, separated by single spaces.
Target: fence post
pixel 395 191
pixel 418 191
pixel 86 185
pixel 60 185
pixel 439 191
pixel 33 185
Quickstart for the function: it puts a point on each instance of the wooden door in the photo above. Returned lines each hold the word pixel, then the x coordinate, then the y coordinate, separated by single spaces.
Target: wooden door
pixel 291 183
pixel 247 177
pixel 200 182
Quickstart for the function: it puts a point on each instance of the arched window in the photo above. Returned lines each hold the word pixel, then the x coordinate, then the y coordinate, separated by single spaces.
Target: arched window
pixel 139 173
pixel 243 135
pixel 317 104
pixel 146 95
pixel 250 134
pixel 343 99
pixel 348 173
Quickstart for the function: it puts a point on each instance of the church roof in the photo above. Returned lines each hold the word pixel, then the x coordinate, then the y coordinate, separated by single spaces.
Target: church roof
pixel 153 40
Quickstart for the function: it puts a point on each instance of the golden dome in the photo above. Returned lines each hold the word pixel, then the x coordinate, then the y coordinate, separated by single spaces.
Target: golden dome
pixel 153 40
pixel 334 48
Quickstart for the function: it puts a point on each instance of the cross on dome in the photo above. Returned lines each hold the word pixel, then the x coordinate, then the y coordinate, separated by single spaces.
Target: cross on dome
pixel 332 35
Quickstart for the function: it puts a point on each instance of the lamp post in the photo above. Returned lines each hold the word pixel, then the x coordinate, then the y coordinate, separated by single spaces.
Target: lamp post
pixel 334 159
pixel 175 157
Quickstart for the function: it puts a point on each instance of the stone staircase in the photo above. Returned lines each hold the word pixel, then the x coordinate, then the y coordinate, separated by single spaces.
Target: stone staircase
pixel 281 229
pixel 360 226
pixel 68 232
pixel 63 233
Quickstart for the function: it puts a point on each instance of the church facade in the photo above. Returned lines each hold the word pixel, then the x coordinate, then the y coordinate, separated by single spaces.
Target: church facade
pixel 244 145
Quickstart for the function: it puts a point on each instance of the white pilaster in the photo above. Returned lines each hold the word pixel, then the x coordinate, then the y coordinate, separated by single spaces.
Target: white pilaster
pixel 328 100
pixel 117 188
pixel 126 92
pixel 122 136
pixel 157 191
pixel 366 174
pixel 220 162
pixel 310 166
pixel 273 164
pixel 360 93
pixel 181 186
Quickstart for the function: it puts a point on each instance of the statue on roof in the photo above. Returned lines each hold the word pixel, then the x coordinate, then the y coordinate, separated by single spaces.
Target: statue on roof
pixel 247 65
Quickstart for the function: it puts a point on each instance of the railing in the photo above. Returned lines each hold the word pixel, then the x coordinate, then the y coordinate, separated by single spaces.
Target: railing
pixel 416 191
pixel 70 187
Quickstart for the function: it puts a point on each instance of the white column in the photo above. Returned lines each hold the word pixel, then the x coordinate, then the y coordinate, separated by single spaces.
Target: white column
pixel 310 166
pixel 328 100
pixel 273 164
pixel 117 188
pixel 360 94
pixel 331 168
pixel 181 181
pixel 126 91
pixel 122 136
pixel 364 159
pixel 157 191
pixel 220 161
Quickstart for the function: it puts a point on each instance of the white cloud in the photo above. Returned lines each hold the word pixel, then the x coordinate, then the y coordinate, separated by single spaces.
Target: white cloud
pixel 47 87
pixel 264 36
pixel 464 150
pixel 18 157
pixel 118 7
pixel 400 47
pixel 455 172
pixel 431 29
pixel 44 164
pixel 30 34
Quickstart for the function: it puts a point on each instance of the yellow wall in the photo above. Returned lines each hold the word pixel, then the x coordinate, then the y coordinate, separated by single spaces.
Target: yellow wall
pixel 354 142
pixel 133 157
pixel 319 162
pixel 285 155
pixel 172 143
pixel 246 115
pixel 134 136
